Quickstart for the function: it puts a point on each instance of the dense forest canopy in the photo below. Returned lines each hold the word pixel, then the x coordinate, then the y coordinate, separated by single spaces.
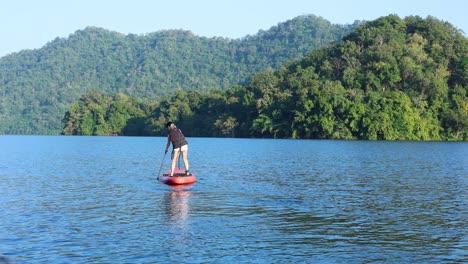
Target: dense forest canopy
pixel 38 86
pixel 392 79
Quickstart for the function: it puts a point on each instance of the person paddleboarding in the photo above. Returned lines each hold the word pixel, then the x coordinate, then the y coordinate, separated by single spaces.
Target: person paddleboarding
pixel 179 144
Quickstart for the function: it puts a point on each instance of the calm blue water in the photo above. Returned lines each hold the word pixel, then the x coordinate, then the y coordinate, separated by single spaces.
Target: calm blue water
pixel 96 200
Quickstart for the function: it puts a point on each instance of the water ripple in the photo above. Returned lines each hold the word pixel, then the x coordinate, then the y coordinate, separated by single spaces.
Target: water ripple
pixel 96 200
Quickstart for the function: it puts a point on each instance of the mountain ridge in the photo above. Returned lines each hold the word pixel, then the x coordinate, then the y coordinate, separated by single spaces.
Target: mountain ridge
pixel 37 86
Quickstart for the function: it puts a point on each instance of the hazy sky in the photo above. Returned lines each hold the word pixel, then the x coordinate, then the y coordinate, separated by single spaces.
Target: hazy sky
pixel 30 24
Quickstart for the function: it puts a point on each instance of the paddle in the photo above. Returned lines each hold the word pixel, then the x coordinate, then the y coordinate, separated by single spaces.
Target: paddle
pixel 162 163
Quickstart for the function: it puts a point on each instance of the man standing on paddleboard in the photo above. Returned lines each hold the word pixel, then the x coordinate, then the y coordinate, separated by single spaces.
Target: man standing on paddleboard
pixel 179 144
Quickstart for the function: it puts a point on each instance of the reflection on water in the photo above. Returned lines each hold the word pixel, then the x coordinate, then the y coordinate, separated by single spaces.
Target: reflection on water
pixel 177 203
pixel 178 222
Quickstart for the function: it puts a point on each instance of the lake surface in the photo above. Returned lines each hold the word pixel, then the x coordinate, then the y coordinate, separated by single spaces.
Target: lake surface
pixel 97 200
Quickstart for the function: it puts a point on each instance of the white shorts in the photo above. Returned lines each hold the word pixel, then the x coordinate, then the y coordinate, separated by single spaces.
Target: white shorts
pixel 183 148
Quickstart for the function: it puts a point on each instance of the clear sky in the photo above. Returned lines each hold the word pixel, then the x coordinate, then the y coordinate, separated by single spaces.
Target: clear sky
pixel 30 24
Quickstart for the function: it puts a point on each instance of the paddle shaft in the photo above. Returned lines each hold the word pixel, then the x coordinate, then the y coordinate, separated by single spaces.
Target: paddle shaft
pixel 162 164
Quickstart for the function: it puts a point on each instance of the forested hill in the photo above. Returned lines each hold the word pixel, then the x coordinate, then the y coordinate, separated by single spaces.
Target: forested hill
pixel 391 79
pixel 37 86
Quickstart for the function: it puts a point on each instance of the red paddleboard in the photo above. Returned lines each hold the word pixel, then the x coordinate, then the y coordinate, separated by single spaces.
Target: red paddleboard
pixel 180 177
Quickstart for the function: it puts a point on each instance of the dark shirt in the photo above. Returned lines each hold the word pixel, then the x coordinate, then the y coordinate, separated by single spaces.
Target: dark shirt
pixel 177 138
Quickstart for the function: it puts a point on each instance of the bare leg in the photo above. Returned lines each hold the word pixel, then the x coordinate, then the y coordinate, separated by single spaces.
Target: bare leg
pixel 184 157
pixel 174 161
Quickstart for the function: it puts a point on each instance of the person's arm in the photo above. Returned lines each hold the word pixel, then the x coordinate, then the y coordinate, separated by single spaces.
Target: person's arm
pixel 168 142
